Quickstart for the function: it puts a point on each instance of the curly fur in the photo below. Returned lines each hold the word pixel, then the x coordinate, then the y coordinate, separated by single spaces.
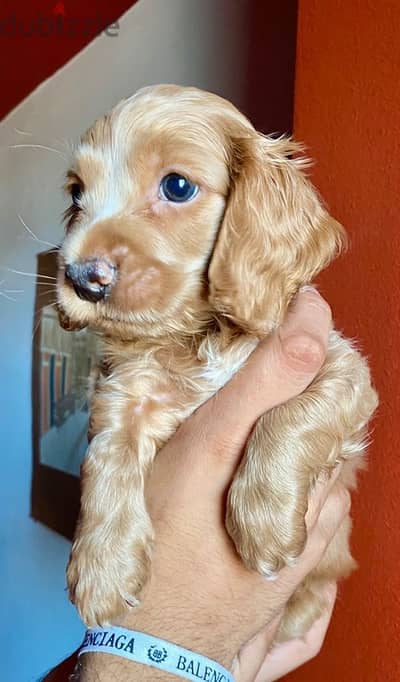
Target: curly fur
pixel 198 285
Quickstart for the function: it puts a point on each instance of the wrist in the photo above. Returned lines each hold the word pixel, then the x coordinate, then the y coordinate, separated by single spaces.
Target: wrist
pixel 180 605
pixel 188 627
pixel 163 656
pixel 176 620
pixel 191 623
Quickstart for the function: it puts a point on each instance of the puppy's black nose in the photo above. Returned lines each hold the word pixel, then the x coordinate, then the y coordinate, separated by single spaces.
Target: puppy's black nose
pixel 92 280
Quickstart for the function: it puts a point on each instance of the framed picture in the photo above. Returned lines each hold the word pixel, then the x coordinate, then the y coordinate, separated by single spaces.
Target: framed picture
pixel 62 364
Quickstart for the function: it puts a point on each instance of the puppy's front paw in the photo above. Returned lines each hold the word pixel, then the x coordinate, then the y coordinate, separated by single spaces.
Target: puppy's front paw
pixel 103 580
pixel 268 533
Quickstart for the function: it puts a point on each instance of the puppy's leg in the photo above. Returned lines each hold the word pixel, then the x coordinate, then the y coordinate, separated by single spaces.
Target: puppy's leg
pixel 289 448
pixel 111 553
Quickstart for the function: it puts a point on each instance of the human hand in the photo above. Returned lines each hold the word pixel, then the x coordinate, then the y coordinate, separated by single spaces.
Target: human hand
pixel 200 595
pixel 284 657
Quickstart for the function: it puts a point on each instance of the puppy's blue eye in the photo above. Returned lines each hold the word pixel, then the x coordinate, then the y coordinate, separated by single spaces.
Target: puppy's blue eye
pixel 177 188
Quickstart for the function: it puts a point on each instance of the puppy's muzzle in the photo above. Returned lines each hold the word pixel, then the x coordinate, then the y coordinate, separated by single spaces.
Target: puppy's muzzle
pixel 92 280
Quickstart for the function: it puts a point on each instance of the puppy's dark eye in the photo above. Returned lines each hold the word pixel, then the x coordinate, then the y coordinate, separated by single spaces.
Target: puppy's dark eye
pixel 177 188
pixel 76 193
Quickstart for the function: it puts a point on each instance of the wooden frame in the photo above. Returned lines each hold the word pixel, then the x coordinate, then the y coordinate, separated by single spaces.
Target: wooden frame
pixel 61 364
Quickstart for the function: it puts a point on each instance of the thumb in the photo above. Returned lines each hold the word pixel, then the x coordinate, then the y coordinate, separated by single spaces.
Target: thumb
pixel 280 368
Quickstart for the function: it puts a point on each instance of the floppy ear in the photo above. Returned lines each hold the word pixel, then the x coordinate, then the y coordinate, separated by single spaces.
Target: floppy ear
pixel 275 235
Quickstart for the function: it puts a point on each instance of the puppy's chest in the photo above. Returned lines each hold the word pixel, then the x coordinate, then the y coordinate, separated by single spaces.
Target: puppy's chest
pixel 168 379
pixel 211 368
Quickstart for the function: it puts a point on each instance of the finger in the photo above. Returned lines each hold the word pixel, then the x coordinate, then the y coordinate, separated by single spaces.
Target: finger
pixel 285 657
pixel 279 369
pixel 334 511
pixel 252 654
pixel 319 494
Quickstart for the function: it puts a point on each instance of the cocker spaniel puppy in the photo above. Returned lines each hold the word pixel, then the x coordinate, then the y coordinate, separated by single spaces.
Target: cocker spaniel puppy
pixel 188 235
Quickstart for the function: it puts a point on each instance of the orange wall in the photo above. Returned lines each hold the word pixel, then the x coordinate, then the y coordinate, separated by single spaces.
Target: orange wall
pixel 347 110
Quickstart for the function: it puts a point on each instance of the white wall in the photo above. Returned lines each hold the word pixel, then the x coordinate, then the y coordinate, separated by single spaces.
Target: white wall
pixel 178 41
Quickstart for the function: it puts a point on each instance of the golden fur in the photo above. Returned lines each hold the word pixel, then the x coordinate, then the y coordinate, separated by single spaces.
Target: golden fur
pixel 198 285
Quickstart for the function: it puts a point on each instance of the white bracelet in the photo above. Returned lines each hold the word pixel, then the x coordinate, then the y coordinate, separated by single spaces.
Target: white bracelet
pixel 148 650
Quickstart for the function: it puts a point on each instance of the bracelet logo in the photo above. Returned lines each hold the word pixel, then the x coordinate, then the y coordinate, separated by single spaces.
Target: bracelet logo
pixel 157 655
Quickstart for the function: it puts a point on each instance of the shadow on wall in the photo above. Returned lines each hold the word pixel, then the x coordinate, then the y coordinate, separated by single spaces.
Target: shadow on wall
pixel 270 72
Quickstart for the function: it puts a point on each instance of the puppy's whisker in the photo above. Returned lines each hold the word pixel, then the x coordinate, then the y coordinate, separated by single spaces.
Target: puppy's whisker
pixel 46 305
pixel 9 298
pixel 33 235
pixel 25 237
pixel 6 293
pixel 69 145
pixel 22 132
pixel 30 274
pixel 36 327
pixel 49 292
pixel 39 146
pixel 44 293
pixel 39 318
